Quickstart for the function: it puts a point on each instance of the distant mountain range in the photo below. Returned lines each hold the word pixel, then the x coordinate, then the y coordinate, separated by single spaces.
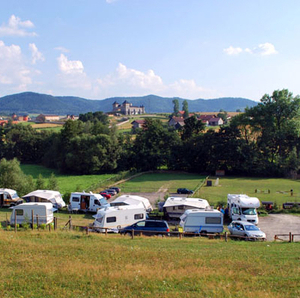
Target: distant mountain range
pixel 31 102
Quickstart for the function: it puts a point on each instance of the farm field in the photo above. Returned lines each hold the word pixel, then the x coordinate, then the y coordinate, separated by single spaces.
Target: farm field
pixel 279 189
pixel 72 264
pixel 167 181
pixel 67 183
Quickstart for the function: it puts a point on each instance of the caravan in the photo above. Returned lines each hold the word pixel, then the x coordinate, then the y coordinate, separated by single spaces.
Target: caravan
pixel 86 202
pixel 46 196
pixel 202 221
pixel 127 200
pixel 9 198
pixel 119 217
pixel 242 207
pixel 42 213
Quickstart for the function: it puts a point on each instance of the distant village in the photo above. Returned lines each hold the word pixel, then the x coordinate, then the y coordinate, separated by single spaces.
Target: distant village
pixel 124 109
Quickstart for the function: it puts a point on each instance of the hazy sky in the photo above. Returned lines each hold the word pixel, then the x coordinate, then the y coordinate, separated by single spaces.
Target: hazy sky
pixel 176 48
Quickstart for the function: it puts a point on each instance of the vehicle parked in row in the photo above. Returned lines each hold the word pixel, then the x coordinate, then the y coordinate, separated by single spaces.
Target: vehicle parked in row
pixel 148 227
pixel 204 221
pixel 246 229
pixel 184 191
pixel 9 198
pixel 105 194
pixel 42 213
pixel 241 207
pixel 86 202
pixel 112 192
pixel 117 189
pixel 115 218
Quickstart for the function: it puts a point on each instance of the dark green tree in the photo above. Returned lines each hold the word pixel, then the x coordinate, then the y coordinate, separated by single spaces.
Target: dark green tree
pixel 176 107
pixel 185 108
pixel 40 182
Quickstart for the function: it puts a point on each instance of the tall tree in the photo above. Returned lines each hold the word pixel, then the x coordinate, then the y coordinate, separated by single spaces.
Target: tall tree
pixel 185 108
pixel 176 107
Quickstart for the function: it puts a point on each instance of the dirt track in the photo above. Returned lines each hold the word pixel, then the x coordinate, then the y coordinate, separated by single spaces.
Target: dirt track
pixel 280 224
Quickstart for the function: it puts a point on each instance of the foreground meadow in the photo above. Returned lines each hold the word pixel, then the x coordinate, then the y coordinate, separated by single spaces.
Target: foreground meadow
pixel 72 264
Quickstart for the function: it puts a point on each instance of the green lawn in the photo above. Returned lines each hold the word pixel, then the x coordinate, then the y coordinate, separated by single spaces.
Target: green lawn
pixel 71 264
pixel 167 181
pixel 279 189
pixel 67 183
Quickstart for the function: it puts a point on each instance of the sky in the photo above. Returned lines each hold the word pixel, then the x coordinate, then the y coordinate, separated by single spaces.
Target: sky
pixel 173 48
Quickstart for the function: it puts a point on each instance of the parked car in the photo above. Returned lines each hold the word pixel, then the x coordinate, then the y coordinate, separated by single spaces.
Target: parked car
pixel 117 189
pixel 246 229
pixel 112 192
pixel 184 191
pixel 148 227
pixel 105 194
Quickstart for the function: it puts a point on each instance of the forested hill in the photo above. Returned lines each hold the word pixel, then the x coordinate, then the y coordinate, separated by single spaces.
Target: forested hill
pixel 30 102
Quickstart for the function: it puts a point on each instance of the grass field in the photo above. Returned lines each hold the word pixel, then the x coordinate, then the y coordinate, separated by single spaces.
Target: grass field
pixel 67 183
pixel 72 264
pixel 166 181
pixel 279 189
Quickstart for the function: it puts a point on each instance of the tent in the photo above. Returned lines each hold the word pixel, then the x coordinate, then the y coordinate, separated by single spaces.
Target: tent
pixel 51 196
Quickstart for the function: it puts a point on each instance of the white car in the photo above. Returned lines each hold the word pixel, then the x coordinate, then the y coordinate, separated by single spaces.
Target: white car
pixel 246 229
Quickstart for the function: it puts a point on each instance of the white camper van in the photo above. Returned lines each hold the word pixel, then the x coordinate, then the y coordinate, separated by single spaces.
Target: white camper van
pixel 241 207
pixel 119 217
pixel 202 221
pixel 23 213
pixel 86 202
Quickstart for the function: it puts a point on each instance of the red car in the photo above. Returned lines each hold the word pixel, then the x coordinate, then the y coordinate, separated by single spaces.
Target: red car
pixel 105 194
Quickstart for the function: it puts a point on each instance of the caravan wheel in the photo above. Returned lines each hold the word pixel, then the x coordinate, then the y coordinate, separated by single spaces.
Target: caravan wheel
pixel 119 227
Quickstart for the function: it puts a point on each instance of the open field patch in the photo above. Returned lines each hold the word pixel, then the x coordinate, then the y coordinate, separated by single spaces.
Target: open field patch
pixel 72 264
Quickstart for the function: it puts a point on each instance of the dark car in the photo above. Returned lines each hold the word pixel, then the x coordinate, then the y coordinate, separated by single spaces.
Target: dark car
pixel 112 192
pixel 184 191
pixel 117 189
pixel 148 227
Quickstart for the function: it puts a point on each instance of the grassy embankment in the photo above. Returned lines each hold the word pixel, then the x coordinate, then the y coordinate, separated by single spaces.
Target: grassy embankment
pixel 72 264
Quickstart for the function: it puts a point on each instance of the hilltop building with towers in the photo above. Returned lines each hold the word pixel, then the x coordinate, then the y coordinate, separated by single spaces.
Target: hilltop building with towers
pixel 127 108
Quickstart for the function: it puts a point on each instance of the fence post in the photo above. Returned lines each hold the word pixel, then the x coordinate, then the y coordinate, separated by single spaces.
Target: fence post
pixel 55 223
pixel 15 221
pixel 290 237
pixel 226 237
pixel 132 233
pixel 32 219
pixel 37 221
pixel 87 230
pixel 105 231
pixel 70 222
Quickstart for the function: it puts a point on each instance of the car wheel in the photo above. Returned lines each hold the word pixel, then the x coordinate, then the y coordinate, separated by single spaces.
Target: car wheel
pixel 128 234
pixel 160 235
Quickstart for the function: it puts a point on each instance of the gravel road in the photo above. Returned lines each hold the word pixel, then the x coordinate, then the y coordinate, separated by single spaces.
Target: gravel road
pixel 280 224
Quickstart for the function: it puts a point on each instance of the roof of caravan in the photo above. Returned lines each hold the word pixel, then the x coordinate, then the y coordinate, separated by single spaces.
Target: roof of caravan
pixel 8 190
pixel 51 195
pixel 133 200
pixel 111 209
pixel 245 200
pixel 207 210
pixel 193 202
pixel 24 205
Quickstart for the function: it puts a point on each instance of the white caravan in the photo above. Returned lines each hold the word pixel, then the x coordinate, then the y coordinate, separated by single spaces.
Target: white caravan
pixel 119 217
pixel 127 200
pixel 174 207
pixel 86 202
pixel 42 212
pixel 44 196
pixel 208 220
pixel 241 207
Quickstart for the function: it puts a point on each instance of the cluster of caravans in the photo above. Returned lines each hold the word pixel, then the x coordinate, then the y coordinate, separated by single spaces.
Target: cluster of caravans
pixel 195 214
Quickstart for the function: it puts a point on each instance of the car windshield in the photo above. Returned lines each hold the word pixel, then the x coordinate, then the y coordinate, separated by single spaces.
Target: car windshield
pixel 251 228
pixel 248 211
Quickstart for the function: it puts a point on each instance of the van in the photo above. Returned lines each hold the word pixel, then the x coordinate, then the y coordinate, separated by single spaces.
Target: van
pixel 42 213
pixel 86 202
pixel 118 217
pixel 208 220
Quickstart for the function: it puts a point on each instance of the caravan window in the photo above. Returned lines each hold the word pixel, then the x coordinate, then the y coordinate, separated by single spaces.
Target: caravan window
pixel 235 211
pixel 139 216
pixel 75 199
pixel 111 219
pixel 96 202
pixel 19 212
pixel 213 220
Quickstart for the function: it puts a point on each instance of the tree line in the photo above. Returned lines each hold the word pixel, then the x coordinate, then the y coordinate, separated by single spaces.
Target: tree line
pixel 264 140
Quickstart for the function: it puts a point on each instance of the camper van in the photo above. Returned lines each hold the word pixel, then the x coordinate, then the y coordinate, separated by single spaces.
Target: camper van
pixel 9 198
pixel 86 202
pixel 23 213
pixel 202 221
pixel 119 217
pixel 241 207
